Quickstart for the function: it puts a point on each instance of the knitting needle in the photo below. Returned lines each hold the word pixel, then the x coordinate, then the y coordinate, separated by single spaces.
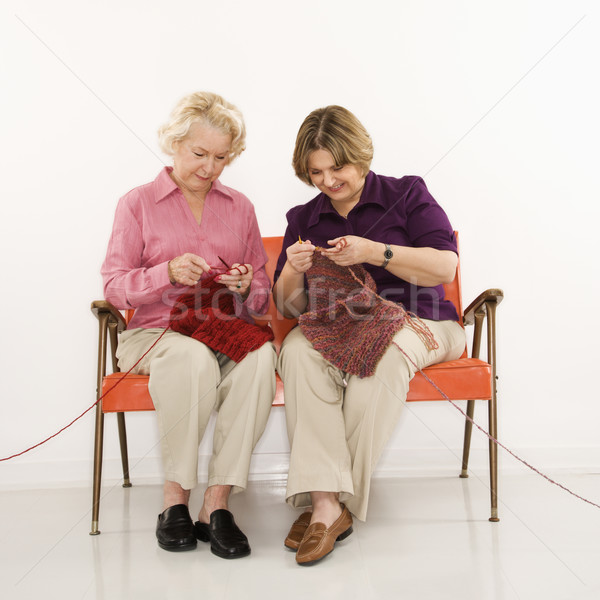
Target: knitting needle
pixel 232 269
pixel 228 267
pixel 318 248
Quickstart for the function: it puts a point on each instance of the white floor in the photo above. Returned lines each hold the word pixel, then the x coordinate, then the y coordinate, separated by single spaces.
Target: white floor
pixel 426 538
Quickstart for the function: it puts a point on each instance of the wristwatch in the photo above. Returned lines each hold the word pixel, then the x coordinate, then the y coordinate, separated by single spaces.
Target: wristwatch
pixel 388 254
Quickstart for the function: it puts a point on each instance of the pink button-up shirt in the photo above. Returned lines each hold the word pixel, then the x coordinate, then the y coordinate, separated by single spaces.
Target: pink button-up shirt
pixel 154 224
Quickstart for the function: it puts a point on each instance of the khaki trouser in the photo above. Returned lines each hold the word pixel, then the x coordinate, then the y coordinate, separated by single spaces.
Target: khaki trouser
pixel 338 424
pixel 187 381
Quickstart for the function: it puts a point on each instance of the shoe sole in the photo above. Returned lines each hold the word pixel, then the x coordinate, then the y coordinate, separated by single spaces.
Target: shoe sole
pixel 179 548
pixel 292 548
pixel 227 555
pixel 339 538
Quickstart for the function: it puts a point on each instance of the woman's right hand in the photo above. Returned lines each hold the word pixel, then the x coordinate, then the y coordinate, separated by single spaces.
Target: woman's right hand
pixel 289 293
pixel 300 256
pixel 187 269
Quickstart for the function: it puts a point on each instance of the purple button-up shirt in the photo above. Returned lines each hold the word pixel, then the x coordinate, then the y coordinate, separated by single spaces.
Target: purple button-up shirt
pixel 154 224
pixel 400 212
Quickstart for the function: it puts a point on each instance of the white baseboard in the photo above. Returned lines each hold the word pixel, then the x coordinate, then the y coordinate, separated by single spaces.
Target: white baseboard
pixel 398 462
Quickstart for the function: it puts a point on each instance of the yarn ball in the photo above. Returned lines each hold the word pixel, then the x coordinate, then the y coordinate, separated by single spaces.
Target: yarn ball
pixel 207 314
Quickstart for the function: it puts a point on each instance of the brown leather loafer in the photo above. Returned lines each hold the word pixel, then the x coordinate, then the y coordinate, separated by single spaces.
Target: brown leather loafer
pixel 297 530
pixel 318 540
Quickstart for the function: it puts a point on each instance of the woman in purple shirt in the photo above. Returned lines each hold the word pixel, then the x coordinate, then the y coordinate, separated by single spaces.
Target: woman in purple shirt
pixel 338 423
pixel 168 237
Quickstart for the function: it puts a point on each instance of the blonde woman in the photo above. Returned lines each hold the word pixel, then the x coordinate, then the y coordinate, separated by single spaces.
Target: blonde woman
pixel 168 235
pixel 339 422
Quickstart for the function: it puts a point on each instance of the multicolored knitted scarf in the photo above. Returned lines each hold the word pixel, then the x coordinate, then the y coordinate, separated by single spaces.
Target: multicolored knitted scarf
pixel 348 322
pixel 207 314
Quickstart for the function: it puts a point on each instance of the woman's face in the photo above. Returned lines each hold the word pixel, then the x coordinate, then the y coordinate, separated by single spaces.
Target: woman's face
pixel 342 184
pixel 200 157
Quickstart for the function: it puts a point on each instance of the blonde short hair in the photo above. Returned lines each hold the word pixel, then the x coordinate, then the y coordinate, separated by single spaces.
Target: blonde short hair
pixel 208 108
pixel 337 130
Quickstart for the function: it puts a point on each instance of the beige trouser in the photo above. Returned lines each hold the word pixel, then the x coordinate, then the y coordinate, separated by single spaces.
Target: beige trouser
pixel 187 381
pixel 338 424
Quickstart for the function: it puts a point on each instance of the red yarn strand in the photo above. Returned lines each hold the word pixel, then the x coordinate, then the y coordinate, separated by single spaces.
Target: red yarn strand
pixel 92 406
pixel 491 437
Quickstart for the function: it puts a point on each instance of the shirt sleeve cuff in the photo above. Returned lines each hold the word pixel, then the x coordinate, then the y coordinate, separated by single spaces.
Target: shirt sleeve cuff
pixel 256 304
pixel 159 276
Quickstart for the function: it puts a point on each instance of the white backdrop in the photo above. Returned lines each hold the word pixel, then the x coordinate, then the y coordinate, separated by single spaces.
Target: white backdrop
pixel 496 106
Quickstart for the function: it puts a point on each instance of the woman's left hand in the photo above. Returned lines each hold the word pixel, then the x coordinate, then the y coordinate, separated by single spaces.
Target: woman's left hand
pixel 349 250
pixel 238 279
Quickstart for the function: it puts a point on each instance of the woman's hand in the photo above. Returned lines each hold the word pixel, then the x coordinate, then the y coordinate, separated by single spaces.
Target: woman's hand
pixel 349 250
pixel 300 255
pixel 289 293
pixel 237 279
pixel 187 269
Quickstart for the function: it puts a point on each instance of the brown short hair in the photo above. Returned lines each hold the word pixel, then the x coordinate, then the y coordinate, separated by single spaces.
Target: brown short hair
pixel 337 130
pixel 208 108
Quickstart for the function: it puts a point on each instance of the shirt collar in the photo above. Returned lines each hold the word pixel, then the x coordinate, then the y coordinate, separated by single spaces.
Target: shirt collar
pixel 369 195
pixel 165 186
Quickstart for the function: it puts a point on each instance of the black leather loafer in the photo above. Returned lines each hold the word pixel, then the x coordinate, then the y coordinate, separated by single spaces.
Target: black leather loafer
pixel 225 537
pixel 175 529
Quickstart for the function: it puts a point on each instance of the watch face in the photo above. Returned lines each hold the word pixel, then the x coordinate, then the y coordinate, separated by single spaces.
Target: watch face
pixel 388 254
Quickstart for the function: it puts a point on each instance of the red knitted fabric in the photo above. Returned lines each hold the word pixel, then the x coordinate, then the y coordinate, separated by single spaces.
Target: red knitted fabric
pixel 347 322
pixel 207 314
